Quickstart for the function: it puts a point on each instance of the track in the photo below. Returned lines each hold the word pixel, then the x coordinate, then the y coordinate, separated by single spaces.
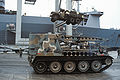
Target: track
pixel 71 64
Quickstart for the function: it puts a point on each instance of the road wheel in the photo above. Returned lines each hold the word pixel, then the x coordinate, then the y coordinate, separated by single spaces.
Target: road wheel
pixel 83 66
pixel 40 67
pixel 69 66
pixel 55 67
pixel 108 61
pixel 96 66
pixel 78 21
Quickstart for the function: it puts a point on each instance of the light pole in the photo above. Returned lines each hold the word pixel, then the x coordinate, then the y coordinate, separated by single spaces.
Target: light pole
pixel 18 21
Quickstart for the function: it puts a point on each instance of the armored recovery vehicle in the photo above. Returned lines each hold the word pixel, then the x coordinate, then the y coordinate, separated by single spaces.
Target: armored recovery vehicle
pixel 58 53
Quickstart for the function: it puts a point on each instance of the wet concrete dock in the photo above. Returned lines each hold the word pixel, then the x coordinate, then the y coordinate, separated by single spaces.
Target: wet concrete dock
pixel 14 68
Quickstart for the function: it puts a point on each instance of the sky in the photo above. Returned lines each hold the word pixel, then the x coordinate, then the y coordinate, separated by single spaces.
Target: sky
pixel 111 9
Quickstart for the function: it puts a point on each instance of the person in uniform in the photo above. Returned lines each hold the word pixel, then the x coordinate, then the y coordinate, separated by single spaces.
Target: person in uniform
pixel 20 52
pixel 118 51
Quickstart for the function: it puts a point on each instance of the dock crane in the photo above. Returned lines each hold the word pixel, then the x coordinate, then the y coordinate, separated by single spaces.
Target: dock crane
pixel 21 41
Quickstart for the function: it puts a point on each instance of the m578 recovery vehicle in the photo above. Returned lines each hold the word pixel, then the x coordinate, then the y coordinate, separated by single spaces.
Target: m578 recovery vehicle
pixel 58 53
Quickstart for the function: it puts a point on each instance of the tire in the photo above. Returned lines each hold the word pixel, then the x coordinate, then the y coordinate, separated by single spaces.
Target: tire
pixel 56 16
pixel 83 66
pixel 72 21
pixel 96 66
pixel 40 67
pixel 55 67
pixel 78 21
pixel 69 66
pixel 53 20
pixel 67 22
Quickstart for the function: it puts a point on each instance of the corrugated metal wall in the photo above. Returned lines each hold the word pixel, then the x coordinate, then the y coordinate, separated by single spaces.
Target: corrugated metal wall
pixel 109 35
pixel 29 25
pixel 35 28
pixel 43 25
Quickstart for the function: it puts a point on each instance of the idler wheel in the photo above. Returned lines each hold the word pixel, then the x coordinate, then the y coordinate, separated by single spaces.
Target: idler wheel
pixel 83 66
pixel 69 66
pixel 108 61
pixel 96 66
pixel 40 67
pixel 55 67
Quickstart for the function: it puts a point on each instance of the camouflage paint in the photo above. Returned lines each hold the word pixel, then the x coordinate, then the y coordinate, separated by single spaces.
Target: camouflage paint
pixel 56 44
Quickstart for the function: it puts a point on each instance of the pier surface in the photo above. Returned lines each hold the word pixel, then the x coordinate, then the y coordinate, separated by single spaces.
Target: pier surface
pixel 12 67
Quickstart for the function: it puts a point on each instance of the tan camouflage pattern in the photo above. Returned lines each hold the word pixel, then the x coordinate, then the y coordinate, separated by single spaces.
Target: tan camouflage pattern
pixel 55 44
